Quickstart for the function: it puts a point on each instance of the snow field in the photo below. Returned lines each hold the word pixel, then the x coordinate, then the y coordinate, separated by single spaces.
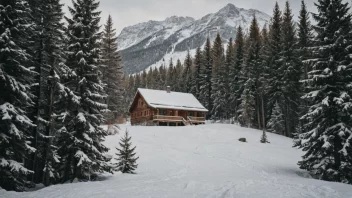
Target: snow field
pixel 203 162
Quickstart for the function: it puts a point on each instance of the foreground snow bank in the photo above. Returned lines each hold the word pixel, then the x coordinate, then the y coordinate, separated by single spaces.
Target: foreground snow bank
pixel 203 161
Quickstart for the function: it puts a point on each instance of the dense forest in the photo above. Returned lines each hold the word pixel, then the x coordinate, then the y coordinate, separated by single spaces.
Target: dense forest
pixel 61 79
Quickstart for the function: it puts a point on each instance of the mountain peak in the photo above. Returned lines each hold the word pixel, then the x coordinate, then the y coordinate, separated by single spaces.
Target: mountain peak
pixel 230 10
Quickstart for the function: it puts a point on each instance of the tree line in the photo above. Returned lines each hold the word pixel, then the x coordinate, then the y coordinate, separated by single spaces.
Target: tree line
pixel 61 78
pixel 291 78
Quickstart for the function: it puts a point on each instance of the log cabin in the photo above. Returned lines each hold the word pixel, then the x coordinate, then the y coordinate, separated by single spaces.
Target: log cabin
pixel 166 108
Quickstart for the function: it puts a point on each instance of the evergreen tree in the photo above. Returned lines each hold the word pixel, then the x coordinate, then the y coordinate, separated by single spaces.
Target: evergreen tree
pixel 81 149
pixel 328 141
pixel 305 36
pixel 112 72
pixel 247 106
pixel 235 75
pixel 251 72
pixel 148 79
pixel 290 68
pixel 265 74
pixel 156 78
pixel 305 39
pixel 219 78
pixel 162 83
pixel 177 76
pixel 196 82
pixel 274 51
pixel 276 123
pixel 137 83
pixel 144 78
pixel 206 83
pixel 170 76
pixel 47 46
pixel 186 78
pixel 127 162
pixel 16 78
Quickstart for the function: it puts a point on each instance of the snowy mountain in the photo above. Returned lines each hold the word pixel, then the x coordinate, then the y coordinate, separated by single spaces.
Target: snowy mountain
pixel 147 44
pixel 202 162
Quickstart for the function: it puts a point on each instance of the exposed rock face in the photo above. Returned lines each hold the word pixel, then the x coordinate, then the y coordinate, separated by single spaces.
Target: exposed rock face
pixel 145 44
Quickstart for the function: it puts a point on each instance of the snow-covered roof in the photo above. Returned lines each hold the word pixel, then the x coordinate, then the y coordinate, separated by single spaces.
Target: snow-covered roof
pixel 173 100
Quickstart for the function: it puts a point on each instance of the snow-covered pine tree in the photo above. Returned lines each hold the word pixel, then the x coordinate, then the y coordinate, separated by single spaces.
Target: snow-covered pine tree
pixel 252 71
pixel 170 75
pixel 196 80
pixel 305 39
pixel 177 78
pixel 305 36
pixel 48 45
pixel 144 78
pixel 328 142
pixel 148 79
pixel 127 160
pixel 247 107
pixel 162 84
pixel 81 149
pixel 186 78
pixel 112 73
pixel 265 74
pixel 206 83
pixel 235 73
pixel 219 77
pixel 276 124
pixel 137 83
pixel 290 68
pixel 156 79
pixel 274 50
pixel 16 78
pixel 229 65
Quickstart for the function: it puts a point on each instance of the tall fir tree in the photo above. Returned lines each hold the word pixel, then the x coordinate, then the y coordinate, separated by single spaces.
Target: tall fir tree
pixel 305 36
pixel 218 79
pixel 51 93
pixel 229 66
pixel 235 75
pixel 290 68
pixel 206 83
pixel 276 124
pixel 305 39
pixel 197 68
pixel 186 78
pixel 16 77
pixel 251 71
pixel 177 76
pixel 127 160
pixel 274 50
pixel 327 144
pixel 81 149
pixel 112 73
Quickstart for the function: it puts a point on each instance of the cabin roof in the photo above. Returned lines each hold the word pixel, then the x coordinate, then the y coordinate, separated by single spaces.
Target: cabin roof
pixel 173 100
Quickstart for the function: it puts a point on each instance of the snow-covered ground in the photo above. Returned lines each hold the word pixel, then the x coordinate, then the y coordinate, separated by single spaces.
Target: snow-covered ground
pixel 201 162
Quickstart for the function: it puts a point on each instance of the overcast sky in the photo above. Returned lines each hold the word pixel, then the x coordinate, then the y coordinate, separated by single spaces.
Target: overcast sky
pixel 130 12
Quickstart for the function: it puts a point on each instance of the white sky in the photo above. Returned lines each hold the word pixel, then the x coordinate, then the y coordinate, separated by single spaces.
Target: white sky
pixel 130 12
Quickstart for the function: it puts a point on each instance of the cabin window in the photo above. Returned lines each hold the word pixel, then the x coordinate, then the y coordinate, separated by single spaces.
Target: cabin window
pixel 162 112
pixel 191 114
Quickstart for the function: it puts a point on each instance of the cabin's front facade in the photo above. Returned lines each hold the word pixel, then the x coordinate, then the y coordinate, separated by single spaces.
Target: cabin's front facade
pixel 166 108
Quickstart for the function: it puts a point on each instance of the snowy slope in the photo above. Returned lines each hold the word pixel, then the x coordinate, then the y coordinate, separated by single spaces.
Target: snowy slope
pixel 147 44
pixel 203 162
